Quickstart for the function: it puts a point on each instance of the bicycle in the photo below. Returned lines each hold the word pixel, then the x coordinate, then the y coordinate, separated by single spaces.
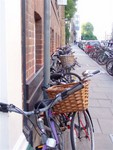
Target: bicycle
pixel 80 120
pixel 59 62
pixel 45 106
pixel 51 134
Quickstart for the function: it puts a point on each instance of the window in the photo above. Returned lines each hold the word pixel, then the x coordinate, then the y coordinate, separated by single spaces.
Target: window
pixel 38 41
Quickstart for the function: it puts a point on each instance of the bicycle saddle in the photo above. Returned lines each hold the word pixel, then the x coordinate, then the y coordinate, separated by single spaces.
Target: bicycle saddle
pixel 55 76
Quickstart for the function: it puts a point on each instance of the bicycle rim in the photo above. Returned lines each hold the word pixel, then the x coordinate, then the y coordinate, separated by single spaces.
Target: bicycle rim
pixel 81 132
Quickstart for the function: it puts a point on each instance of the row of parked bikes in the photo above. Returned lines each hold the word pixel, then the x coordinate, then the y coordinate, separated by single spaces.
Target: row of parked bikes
pixel 65 108
pixel 103 56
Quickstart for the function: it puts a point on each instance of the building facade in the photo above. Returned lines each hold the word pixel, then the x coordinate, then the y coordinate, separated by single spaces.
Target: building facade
pixel 75 29
pixel 22 61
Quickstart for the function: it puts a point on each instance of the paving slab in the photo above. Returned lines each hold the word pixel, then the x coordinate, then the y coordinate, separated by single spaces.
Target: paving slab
pixel 99 112
pixel 106 126
pixel 103 142
pixel 97 128
pixel 67 144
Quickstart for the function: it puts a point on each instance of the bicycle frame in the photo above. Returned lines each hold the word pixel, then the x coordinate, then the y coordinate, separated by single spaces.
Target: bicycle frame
pixel 51 127
pixel 52 124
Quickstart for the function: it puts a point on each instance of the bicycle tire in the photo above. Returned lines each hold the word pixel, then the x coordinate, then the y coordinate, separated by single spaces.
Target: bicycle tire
pixel 81 132
pixel 102 59
pixel 109 67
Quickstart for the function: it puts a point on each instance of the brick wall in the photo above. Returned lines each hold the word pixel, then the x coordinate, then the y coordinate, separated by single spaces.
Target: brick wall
pixel 55 25
pixel 35 33
pixel 34 36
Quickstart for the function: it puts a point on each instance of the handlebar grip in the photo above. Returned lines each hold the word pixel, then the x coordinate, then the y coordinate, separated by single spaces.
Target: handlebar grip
pixel 73 89
pixel 95 72
pixel 4 107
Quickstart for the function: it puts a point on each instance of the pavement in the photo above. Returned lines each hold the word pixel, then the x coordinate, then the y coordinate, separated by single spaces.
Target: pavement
pixel 100 100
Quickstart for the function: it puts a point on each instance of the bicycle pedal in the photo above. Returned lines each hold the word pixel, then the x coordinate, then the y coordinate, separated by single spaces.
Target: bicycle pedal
pixel 39 147
pixel 62 128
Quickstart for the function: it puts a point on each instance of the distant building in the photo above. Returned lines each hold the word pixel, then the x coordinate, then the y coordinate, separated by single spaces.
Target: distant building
pixel 75 28
pixel 112 32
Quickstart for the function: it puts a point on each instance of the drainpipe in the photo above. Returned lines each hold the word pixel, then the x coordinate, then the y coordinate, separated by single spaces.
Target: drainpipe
pixel 24 53
pixel 46 41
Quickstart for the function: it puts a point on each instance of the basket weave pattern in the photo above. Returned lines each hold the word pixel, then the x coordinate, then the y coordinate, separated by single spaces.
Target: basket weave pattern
pixel 75 102
pixel 67 60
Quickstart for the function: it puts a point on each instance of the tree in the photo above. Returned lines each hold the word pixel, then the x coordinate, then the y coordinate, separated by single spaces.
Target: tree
pixel 87 32
pixel 67 35
pixel 70 10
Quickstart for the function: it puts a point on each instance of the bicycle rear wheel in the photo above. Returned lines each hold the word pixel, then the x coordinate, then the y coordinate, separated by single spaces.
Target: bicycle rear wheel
pixel 81 132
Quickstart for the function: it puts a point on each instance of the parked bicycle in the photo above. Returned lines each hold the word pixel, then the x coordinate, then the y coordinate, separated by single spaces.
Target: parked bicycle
pixel 51 134
pixel 95 52
pixel 63 61
pixel 105 56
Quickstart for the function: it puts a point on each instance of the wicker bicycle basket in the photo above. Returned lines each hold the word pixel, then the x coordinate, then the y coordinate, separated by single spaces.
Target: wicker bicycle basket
pixel 75 102
pixel 67 60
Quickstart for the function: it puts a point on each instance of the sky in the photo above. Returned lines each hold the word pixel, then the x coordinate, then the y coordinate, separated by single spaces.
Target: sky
pixel 99 13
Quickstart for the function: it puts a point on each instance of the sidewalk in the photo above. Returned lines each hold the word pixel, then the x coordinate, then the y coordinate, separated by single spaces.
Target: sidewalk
pixel 100 100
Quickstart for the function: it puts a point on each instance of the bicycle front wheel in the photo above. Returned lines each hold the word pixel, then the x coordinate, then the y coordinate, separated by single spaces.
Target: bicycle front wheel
pixel 81 132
